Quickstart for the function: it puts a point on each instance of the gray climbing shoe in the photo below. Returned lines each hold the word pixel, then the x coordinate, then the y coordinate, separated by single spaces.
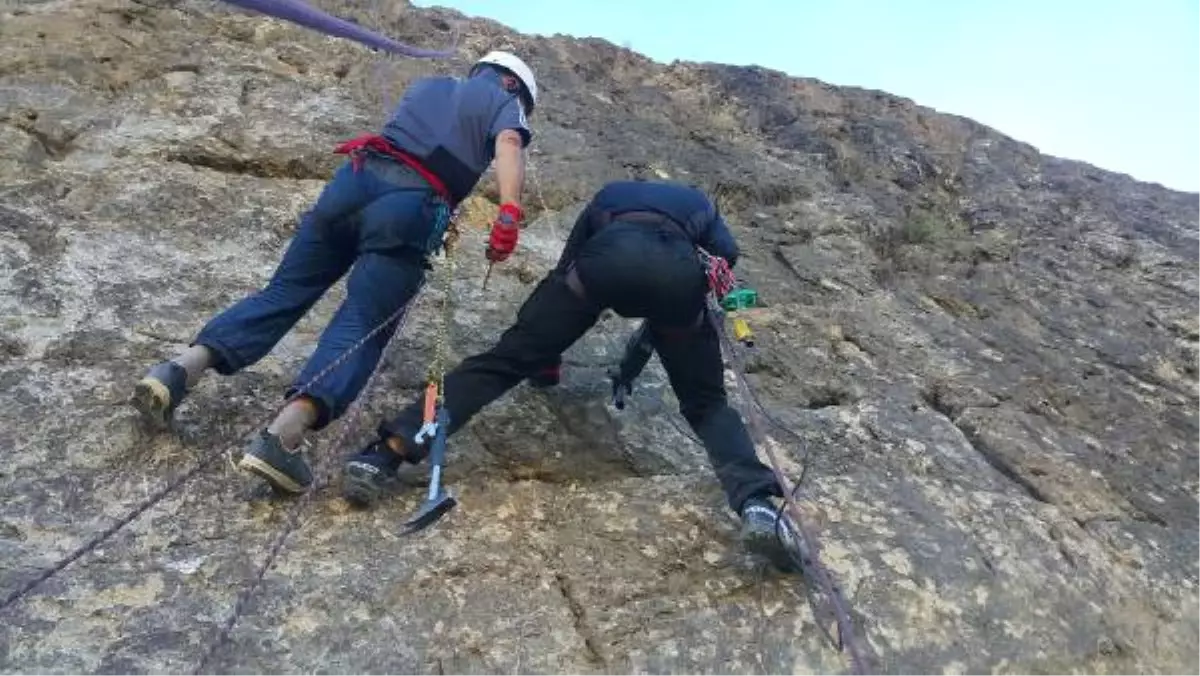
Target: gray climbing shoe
pixel 159 393
pixel 768 534
pixel 267 458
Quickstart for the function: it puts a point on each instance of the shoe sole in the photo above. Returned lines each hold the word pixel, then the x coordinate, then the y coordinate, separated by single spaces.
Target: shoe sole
pixel 152 399
pixel 358 485
pixel 768 546
pixel 254 465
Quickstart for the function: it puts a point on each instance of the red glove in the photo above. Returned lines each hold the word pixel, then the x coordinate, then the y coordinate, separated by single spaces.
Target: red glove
pixel 505 230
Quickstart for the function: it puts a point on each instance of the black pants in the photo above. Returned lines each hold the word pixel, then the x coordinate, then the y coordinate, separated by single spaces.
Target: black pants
pixel 638 270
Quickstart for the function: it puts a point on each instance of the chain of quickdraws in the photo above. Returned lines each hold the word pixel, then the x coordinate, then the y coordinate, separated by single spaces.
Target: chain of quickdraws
pixel 175 484
pixel 349 423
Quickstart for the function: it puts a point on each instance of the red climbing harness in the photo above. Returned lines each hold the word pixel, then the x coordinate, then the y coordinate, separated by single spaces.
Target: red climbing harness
pixel 355 148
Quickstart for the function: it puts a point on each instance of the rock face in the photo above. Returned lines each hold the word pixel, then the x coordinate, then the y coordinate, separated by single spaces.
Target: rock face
pixel 989 356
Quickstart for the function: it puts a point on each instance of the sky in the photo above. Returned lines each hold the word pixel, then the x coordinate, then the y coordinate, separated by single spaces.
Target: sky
pixel 1115 83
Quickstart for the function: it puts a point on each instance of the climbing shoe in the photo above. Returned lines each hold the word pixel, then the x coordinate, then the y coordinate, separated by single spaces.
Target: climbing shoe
pixel 159 393
pixel 267 458
pixel 768 534
pixel 546 377
pixel 365 473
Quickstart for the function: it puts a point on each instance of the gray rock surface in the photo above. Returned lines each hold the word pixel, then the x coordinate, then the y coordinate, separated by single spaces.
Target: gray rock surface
pixel 989 354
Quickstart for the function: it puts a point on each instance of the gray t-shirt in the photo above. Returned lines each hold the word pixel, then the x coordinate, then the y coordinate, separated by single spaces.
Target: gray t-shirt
pixel 451 124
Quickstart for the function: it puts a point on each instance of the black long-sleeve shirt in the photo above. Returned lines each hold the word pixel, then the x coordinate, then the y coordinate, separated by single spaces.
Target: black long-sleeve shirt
pixel 688 207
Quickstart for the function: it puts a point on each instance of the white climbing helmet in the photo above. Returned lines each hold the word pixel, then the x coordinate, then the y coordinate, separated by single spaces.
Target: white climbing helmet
pixel 518 67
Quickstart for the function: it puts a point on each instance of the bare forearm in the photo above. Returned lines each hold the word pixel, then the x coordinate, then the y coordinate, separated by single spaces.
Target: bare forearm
pixel 510 167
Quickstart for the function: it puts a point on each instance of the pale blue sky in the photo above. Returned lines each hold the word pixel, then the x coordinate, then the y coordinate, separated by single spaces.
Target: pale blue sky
pixel 1111 82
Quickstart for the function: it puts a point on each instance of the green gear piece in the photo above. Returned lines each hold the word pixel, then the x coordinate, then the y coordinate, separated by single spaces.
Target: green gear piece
pixel 739 299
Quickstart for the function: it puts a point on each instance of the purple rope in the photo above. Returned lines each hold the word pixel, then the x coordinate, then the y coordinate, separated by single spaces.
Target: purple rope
pixel 377 73
pixel 301 13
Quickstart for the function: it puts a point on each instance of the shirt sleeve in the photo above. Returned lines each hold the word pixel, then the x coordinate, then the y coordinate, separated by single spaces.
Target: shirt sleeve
pixel 512 116
pixel 718 239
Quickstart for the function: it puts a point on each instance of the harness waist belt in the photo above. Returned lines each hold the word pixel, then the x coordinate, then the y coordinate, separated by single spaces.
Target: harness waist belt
pixel 373 142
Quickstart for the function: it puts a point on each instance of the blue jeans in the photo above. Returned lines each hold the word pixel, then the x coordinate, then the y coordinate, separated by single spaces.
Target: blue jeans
pixel 378 221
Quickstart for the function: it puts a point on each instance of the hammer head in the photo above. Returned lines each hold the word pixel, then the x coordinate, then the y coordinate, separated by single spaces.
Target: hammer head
pixel 431 511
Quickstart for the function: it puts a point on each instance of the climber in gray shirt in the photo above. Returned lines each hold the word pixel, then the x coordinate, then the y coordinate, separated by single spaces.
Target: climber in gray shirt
pixel 379 218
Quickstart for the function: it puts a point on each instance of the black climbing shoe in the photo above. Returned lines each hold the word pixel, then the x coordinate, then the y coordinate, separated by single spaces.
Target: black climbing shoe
pixel 159 393
pixel 546 377
pixel 267 458
pixel 365 473
pixel 767 534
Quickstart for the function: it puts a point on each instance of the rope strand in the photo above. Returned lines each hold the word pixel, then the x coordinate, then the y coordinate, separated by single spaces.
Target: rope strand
pixel 810 561
pixel 175 484
pixel 324 477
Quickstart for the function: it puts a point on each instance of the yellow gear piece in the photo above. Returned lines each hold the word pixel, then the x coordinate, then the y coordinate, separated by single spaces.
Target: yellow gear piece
pixel 742 332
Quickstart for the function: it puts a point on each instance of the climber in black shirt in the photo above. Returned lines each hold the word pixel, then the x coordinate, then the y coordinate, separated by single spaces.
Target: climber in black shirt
pixel 632 249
